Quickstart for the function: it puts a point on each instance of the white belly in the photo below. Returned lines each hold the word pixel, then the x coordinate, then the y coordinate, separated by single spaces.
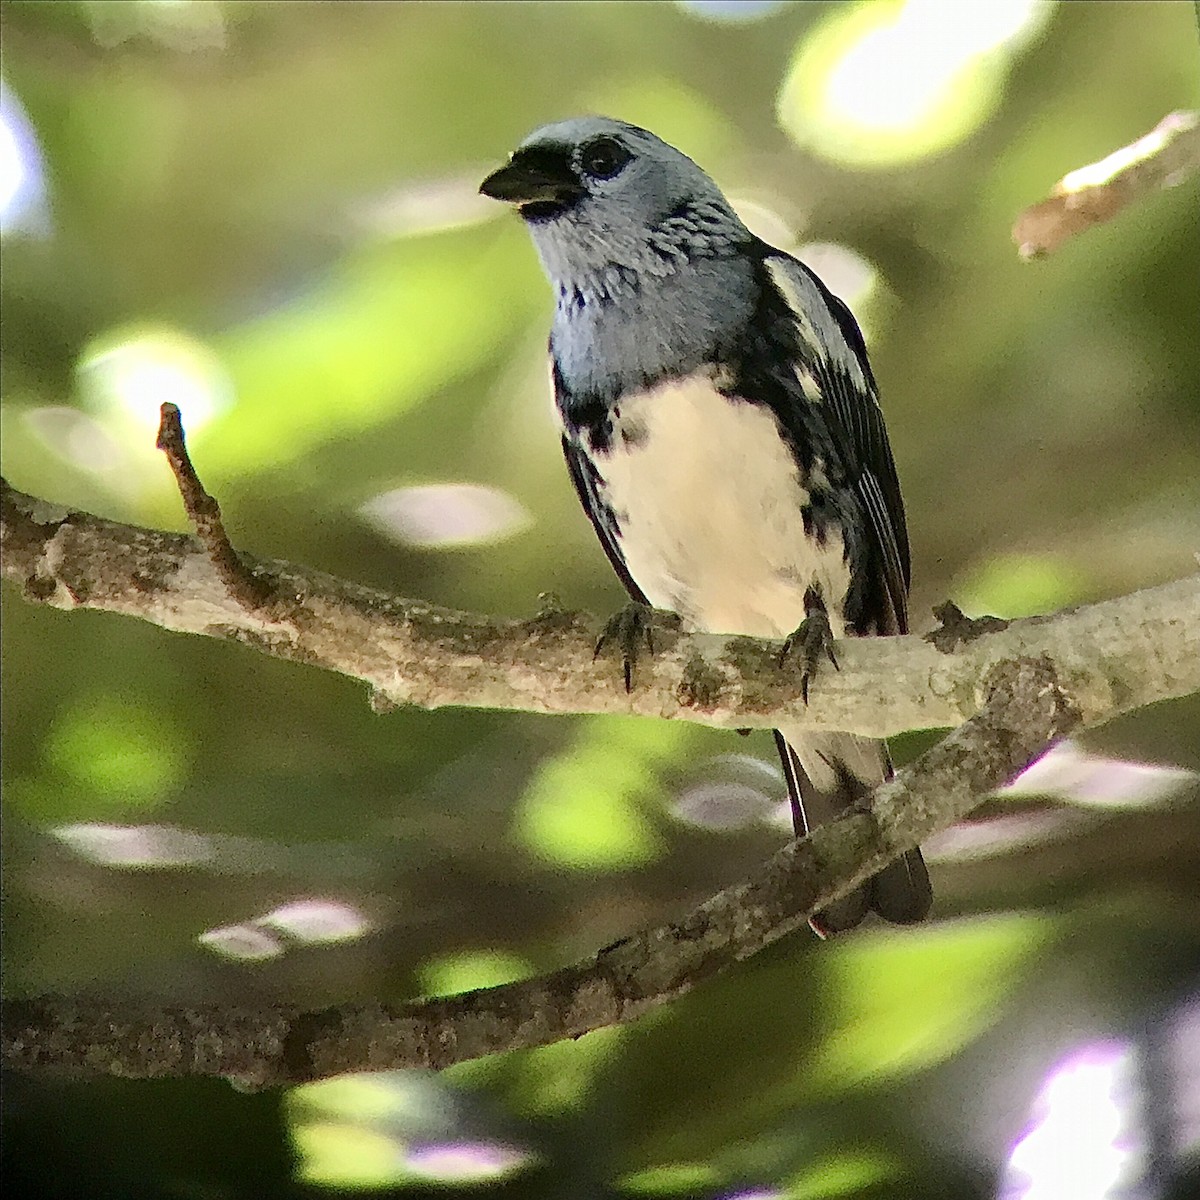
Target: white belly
pixel 708 500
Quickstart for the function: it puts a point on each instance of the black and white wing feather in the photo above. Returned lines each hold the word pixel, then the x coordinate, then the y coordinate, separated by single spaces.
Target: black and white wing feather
pixel 584 477
pixel 832 351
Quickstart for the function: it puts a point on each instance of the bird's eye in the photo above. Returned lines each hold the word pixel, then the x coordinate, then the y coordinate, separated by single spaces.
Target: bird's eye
pixel 604 158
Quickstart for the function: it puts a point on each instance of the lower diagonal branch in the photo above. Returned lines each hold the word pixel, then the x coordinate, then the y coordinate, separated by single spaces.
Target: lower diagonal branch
pixel 1029 707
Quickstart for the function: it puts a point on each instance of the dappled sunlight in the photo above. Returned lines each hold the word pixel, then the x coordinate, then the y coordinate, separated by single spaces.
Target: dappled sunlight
pixel 1182 1053
pixel 548 1081
pixel 1019 585
pixel 846 1175
pixel 730 791
pixel 317 921
pixel 844 271
pixel 972 841
pixel 447 515
pixel 387 329
pixel 427 207
pixel 466 970
pixel 907 999
pixel 123 752
pixel 268 215
pixel 372 1130
pixel 310 921
pixel 245 942
pixel 464 1162
pixel 889 81
pixel 672 1179
pixel 77 438
pixel 180 25
pixel 731 11
pixel 1086 1140
pixel 1069 772
pixel 127 375
pixel 135 846
pixel 591 807
pixel 766 221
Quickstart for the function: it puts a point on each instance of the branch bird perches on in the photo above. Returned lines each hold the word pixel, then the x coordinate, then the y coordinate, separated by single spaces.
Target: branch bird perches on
pixel 1011 689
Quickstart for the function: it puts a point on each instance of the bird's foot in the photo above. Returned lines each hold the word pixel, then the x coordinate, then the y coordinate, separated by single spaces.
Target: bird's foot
pixel 811 643
pixel 630 633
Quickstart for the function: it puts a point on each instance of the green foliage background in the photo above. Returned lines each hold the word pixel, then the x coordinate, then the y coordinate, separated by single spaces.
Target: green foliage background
pixel 239 204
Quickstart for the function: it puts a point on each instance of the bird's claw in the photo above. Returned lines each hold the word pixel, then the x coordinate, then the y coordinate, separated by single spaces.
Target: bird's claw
pixel 629 631
pixel 812 642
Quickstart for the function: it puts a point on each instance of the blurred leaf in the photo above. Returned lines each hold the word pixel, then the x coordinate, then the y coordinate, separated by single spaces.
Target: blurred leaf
pixel 674 1179
pixel 589 808
pixel 1022 585
pixel 393 325
pixel 794 1030
pixel 116 752
pixel 846 1175
pixel 466 970
pixel 345 1156
pixel 901 1003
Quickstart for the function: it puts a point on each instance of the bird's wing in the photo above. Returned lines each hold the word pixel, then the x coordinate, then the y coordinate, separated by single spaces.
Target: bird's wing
pixel 583 476
pixel 831 349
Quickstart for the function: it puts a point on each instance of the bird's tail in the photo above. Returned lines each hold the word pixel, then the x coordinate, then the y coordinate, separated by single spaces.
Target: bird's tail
pixel 827 774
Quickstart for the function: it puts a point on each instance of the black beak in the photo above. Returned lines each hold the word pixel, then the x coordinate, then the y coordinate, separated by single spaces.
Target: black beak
pixel 535 176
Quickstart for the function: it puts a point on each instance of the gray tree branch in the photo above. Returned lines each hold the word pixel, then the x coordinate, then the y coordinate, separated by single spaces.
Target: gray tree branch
pixel 1114 656
pixel 1028 707
pixel 1011 688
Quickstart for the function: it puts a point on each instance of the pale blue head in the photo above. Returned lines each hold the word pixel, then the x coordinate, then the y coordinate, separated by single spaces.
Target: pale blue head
pixel 597 192
pixel 652 269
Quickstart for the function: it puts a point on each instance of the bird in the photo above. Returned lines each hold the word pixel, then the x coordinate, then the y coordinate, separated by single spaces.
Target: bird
pixel 721 425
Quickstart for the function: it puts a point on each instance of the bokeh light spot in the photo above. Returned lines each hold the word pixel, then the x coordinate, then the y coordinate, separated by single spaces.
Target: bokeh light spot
pixel 372 1129
pixel 427 207
pixel 446 515
pixel 731 791
pixel 22 179
pixel 765 221
pixel 76 437
pixel 848 1174
pixel 1020 585
pixel 587 807
pixel 671 1179
pixel 317 921
pixel 467 970
pixel 1072 773
pixel 339 1155
pixel 466 1161
pixel 130 373
pixel 246 942
pixel 138 846
pixel 730 11
pixel 121 751
pixel 889 81
pixel 181 25
pixel 845 272
pixel 906 1001
pixel 1086 1141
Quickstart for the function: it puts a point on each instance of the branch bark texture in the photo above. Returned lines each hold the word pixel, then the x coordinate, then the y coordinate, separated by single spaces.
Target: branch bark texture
pixel 1027 709
pixel 1113 657
pixel 1012 690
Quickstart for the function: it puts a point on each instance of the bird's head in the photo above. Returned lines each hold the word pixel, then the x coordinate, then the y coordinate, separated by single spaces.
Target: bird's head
pixel 595 191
